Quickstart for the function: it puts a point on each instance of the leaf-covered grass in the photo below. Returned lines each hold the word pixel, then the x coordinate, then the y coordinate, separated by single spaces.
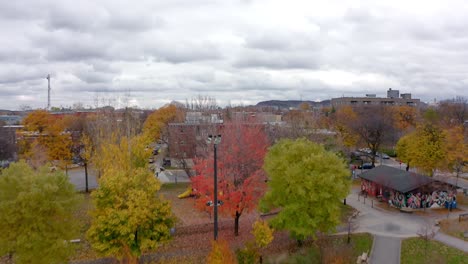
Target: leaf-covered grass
pixel 346 212
pixel 182 186
pixel 414 251
pixel 334 249
pixel 453 227
pixel 83 249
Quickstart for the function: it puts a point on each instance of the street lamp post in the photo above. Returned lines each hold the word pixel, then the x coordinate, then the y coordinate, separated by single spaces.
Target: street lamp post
pixel 215 140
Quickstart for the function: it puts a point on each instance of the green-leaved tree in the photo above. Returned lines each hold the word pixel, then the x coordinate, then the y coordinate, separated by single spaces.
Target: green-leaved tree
pixel 306 183
pixel 36 214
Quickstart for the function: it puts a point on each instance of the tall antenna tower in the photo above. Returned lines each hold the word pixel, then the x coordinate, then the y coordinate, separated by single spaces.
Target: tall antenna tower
pixel 48 91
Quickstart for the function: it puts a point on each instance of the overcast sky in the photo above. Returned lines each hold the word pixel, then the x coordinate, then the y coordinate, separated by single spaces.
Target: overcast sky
pixel 150 52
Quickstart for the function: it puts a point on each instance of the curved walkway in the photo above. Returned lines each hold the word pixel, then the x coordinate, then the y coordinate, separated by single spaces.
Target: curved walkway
pixel 389 228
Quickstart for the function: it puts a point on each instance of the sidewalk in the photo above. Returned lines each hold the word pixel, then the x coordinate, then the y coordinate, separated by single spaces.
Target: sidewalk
pixel 386 250
pixel 380 222
pixel 452 241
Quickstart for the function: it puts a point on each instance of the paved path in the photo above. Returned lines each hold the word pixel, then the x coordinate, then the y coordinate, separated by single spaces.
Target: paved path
pixel 389 228
pixel 386 250
pixel 77 178
pixel 451 241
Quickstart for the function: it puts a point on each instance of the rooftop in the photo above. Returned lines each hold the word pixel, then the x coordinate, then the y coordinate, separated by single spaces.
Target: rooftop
pixel 396 179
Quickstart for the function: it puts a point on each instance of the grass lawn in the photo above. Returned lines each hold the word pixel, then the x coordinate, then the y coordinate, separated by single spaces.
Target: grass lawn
pixel 413 251
pixel 334 250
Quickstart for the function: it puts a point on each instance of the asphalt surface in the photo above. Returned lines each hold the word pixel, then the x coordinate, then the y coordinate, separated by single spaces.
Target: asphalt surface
pixel 386 250
pixel 77 178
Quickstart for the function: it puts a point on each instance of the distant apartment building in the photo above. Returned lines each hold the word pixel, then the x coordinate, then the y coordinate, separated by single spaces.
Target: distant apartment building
pixel 8 148
pixel 257 117
pixel 393 98
pixel 188 140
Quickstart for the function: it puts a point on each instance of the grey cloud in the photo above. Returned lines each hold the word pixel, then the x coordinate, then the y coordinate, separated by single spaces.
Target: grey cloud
pixel 163 50
pixel 96 19
pixel 183 51
pixel 278 60
pixel 12 73
pixel 14 55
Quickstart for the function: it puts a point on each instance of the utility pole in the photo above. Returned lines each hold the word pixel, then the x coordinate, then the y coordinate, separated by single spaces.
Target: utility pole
pixel 48 91
pixel 215 193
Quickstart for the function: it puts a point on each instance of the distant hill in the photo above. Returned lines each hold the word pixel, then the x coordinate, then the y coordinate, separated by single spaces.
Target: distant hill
pixel 292 103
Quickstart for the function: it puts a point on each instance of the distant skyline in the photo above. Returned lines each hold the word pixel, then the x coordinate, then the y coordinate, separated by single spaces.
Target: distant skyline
pixel 150 52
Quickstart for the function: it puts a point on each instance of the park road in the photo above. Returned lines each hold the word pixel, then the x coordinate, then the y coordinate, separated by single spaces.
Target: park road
pixel 386 250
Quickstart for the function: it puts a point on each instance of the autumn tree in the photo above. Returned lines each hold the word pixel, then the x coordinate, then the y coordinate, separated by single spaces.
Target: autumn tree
pixel 38 120
pixel 201 103
pixel 221 253
pixel 108 126
pixel 263 235
pixel 405 117
pixel 300 123
pixel 424 148
pixel 454 112
pixel 304 106
pixel 456 145
pixel 306 183
pixel 86 153
pixel 36 214
pixel 374 127
pixel 129 217
pixel 157 121
pixel 343 118
pixel 241 180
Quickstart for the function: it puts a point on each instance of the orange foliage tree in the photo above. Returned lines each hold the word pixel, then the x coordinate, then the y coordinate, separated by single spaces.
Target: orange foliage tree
pixel 405 117
pixel 343 117
pixel 241 179
pixel 38 120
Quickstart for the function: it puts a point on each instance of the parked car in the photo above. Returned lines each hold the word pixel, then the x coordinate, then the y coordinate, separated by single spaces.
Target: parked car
pixel 366 166
pixel 384 156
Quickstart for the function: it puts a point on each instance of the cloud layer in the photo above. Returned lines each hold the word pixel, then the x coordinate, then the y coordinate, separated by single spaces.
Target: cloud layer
pixel 238 51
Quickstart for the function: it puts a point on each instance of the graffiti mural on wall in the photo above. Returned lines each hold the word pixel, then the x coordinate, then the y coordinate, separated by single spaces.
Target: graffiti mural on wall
pixel 418 200
pixel 367 186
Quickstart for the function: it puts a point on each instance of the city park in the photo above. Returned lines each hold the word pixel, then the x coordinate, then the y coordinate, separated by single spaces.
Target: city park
pixel 250 201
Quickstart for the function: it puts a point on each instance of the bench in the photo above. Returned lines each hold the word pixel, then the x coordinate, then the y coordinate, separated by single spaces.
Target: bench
pixel 461 216
pixel 406 210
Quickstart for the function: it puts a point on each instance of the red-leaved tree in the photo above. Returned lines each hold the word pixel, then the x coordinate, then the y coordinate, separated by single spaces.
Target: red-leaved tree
pixel 241 180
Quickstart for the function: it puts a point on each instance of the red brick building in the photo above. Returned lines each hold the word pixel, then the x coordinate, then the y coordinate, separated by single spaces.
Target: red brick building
pixel 187 140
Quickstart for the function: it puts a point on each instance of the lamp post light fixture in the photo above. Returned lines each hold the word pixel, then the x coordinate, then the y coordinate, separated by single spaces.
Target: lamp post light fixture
pixel 215 140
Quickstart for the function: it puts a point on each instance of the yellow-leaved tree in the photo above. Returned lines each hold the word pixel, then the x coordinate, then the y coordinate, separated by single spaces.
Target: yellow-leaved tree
pixel 129 216
pixel 424 148
pixel 263 236
pixel 457 150
pixel 156 122
pixel 221 253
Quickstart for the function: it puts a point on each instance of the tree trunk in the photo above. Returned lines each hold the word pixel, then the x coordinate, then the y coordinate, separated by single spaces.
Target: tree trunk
pixel 128 258
pixel 86 176
pixel 236 224
pixel 299 242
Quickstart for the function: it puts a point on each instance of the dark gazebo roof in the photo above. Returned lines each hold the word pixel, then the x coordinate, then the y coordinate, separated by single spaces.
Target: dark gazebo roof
pixel 396 179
